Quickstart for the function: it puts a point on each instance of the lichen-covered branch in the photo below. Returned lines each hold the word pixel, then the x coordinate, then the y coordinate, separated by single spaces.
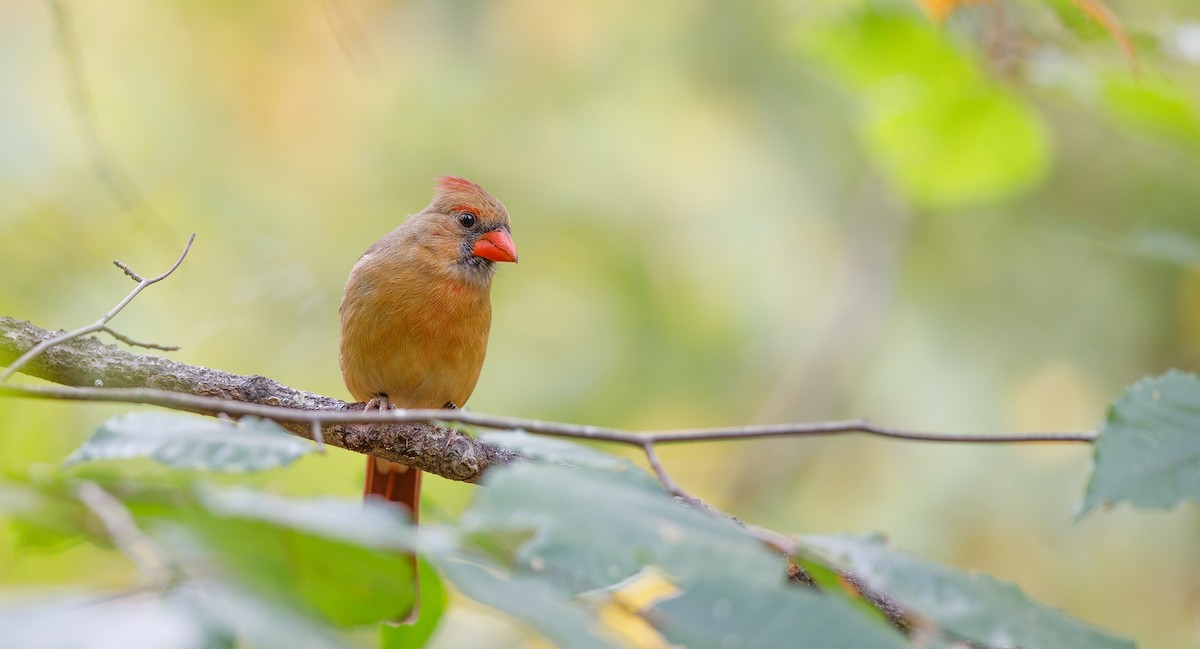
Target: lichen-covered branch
pixel 106 373
pixel 87 362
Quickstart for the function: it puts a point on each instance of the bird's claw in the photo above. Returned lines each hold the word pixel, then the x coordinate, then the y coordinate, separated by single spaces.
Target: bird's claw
pixel 379 403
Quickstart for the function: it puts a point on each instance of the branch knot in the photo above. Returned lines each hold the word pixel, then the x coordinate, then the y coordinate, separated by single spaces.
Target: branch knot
pixel 461 456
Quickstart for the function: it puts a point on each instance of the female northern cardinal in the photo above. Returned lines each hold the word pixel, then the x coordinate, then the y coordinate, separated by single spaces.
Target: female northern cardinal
pixel 416 313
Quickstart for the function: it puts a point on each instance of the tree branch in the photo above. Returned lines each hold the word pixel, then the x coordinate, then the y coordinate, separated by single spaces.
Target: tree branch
pixel 103 372
pixel 100 372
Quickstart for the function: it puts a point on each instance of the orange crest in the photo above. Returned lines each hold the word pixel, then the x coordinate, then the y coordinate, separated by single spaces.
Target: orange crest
pixel 454 183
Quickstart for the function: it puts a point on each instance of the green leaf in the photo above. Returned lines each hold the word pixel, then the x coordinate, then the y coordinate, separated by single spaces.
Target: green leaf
pixel 832 582
pixel 1154 107
pixel 187 442
pixel 592 529
pixel 971 606
pixel 588 532
pixel 335 558
pixel 1148 450
pixel 943 132
pixel 1069 15
pixel 955 149
pixel 726 609
pixel 434 600
pixel 531 599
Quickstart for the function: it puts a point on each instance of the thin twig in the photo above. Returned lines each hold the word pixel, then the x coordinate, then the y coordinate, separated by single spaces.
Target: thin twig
pixel 861 425
pixel 665 478
pixel 673 487
pixel 99 325
pixel 150 559
pixel 128 271
pixel 778 541
pixel 781 543
pixel 212 405
pixel 134 343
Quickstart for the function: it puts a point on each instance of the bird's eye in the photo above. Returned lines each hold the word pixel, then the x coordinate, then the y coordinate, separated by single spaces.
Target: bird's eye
pixel 467 219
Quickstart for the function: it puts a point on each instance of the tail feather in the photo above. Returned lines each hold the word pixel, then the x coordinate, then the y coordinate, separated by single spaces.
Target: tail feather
pixel 401 484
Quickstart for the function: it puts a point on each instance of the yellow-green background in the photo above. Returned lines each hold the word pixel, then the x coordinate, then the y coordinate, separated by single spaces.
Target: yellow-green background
pixel 726 213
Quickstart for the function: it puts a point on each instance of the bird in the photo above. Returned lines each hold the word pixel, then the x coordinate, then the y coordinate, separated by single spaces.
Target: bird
pixel 415 317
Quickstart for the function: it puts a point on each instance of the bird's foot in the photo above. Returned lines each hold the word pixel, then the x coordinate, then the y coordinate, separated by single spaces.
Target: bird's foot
pixel 379 402
pixel 450 405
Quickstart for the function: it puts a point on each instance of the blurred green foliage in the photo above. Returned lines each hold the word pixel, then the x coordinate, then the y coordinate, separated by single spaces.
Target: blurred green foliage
pixel 726 213
pixel 936 123
pixel 633 569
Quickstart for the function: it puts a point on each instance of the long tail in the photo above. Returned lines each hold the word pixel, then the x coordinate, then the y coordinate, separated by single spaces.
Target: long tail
pixel 397 483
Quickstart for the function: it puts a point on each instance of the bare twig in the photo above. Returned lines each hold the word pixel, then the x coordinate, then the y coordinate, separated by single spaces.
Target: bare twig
pixel 150 559
pixel 781 543
pixel 672 487
pixel 134 343
pixel 665 478
pixel 861 425
pixel 778 541
pixel 128 271
pixel 353 414
pixel 101 324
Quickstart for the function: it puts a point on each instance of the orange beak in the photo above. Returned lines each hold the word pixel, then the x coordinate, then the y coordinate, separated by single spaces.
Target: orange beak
pixel 496 245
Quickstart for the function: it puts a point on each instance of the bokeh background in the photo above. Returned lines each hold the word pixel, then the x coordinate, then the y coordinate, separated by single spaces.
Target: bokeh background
pixel 726 213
